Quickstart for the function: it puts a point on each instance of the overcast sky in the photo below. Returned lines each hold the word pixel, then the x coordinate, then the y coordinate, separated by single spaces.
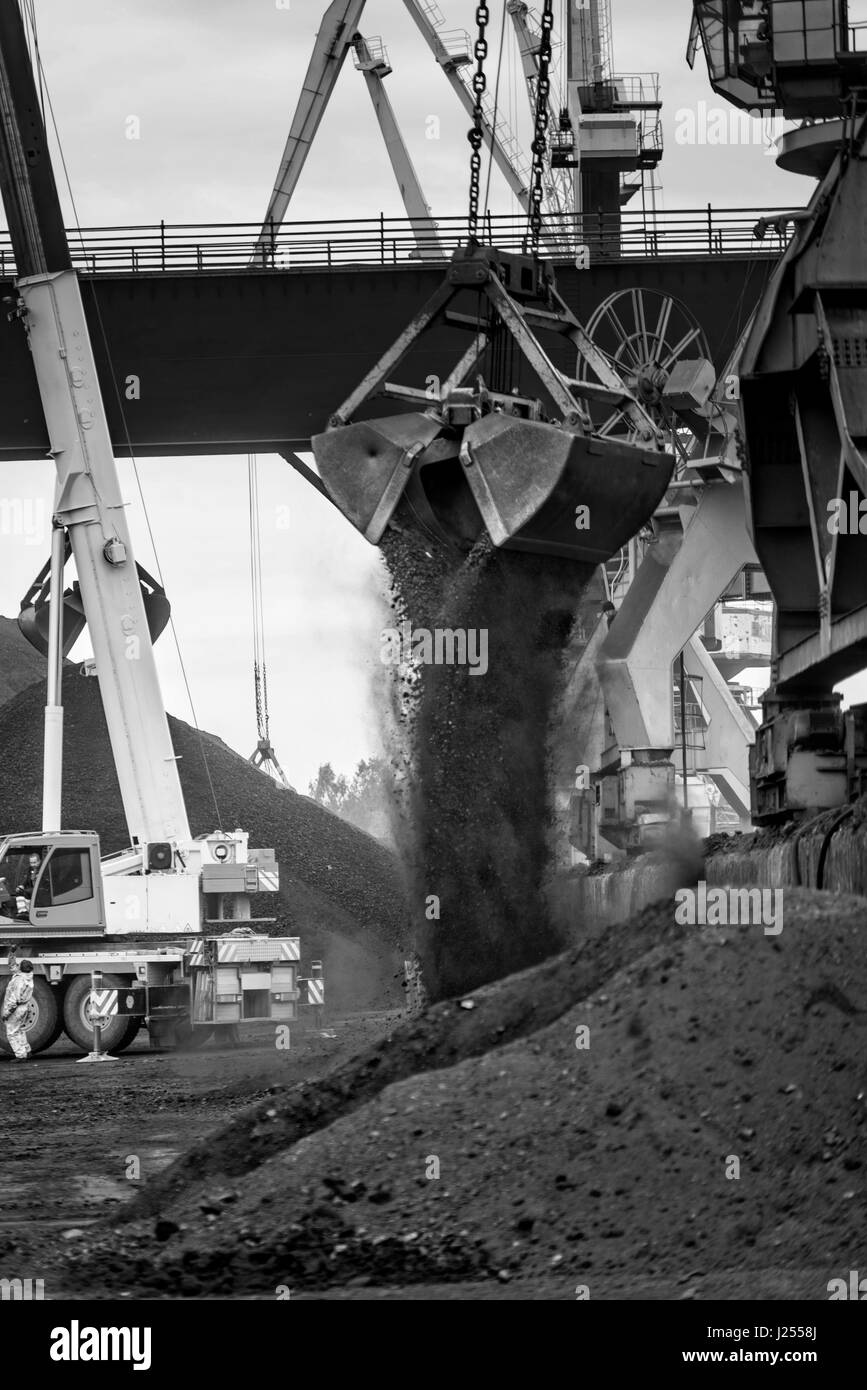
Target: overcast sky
pixel 213 84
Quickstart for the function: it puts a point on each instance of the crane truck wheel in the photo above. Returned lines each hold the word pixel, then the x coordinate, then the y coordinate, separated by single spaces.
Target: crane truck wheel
pixel 117 1034
pixel 43 1024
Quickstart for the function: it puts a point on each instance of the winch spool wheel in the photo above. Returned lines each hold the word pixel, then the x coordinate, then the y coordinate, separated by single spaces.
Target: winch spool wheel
pixel 644 334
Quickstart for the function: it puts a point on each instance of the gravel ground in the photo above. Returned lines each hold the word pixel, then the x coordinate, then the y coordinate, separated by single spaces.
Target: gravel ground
pixel 149 1106
pixel 479 1153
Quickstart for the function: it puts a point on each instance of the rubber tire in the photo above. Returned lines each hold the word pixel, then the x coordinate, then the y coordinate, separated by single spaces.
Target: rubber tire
pixel 133 1025
pixel 120 1031
pixel 47 1025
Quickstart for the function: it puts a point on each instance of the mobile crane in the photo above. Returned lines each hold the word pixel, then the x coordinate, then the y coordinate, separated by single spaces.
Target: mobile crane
pixel 167 922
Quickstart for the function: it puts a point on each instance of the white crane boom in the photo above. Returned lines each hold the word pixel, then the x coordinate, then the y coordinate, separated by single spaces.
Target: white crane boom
pixel 89 504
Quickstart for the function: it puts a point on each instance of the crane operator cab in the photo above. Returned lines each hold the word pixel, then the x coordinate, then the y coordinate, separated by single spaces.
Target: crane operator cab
pixel 50 883
pixel 801 57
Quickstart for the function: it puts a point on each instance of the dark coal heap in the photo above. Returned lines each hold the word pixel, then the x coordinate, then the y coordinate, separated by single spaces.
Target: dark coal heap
pixel 478 796
pixel 20 664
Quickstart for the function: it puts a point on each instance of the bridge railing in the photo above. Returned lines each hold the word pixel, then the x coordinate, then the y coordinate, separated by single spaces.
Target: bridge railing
pixel 384 241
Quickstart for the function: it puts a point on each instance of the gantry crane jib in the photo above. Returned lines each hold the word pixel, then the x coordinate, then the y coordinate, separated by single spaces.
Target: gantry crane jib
pixel 452 51
pixel 374 66
pixel 588 34
pixel 338 34
pixel 496 137
pixel 333 42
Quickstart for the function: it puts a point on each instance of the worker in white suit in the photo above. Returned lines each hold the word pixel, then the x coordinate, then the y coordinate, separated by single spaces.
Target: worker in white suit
pixel 16 1002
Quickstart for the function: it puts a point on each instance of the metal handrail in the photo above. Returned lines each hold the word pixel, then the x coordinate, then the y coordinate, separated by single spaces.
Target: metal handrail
pixel 391 241
pixel 855 32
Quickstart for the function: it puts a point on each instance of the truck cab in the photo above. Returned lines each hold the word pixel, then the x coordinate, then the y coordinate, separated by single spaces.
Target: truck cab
pixel 51 884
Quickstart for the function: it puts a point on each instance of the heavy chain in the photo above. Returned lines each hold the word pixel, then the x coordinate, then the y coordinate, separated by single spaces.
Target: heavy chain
pixel 540 134
pixel 476 135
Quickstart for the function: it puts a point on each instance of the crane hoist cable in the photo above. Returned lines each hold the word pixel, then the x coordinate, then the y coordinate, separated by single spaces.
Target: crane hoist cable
pixel 476 135
pixel 512 111
pixel 264 756
pixel 496 109
pixel 540 133
pixel 260 670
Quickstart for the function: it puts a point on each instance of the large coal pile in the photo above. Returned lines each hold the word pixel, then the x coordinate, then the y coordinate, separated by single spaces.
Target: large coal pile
pixel 20 664
pixel 334 878
pixel 706 1139
pixel 479 800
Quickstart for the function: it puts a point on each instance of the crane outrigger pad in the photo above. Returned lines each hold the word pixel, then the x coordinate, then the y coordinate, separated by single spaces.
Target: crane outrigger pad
pixel 549 491
pixel 366 467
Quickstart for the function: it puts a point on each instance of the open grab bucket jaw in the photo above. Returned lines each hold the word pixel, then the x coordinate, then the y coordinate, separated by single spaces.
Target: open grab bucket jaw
pixel 531 473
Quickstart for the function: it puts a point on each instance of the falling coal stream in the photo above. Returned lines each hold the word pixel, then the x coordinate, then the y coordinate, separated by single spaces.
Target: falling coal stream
pixel 477 799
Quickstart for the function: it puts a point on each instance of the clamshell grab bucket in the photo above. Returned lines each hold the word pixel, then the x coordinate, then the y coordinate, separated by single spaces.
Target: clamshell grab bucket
pixel 474 459
pixel 522 481
pixel 529 481
pixel 34 620
pixel 366 467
